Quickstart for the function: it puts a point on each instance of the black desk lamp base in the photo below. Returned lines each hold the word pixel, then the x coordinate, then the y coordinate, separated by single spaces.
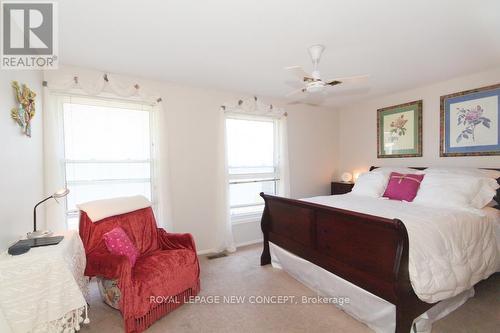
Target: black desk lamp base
pixel 38 234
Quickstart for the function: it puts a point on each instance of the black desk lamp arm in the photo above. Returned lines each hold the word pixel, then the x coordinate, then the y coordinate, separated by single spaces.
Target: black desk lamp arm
pixel 34 211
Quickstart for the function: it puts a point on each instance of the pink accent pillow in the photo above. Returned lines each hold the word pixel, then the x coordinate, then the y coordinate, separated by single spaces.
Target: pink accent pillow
pixel 118 243
pixel 403 186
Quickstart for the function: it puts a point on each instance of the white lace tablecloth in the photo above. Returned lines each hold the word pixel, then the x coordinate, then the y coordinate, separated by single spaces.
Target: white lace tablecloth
pixel 44 289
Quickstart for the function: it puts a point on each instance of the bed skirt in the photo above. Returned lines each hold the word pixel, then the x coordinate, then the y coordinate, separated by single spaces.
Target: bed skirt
pixel 375 312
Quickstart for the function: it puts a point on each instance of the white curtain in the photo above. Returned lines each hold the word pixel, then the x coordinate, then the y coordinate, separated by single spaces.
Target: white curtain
pixel 53 156
pixel 224 232
pixel 61 85
pixel 284 184
pixel 95 83
pixel 249 108
pixel 161 172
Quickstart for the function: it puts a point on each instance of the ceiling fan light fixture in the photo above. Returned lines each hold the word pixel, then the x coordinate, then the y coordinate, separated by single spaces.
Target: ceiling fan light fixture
pixel 315 86
pixel 313 83
pixel 315 51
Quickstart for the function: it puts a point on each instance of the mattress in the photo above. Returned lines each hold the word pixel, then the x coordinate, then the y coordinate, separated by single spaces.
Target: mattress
pixel 450 250
pixel 493 216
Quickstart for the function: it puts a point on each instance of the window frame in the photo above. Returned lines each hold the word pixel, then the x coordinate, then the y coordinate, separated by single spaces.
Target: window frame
pixel 104 101
pixel 243 178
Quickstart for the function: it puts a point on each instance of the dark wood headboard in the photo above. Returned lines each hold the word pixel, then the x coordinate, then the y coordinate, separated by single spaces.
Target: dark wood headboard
pixel 496 198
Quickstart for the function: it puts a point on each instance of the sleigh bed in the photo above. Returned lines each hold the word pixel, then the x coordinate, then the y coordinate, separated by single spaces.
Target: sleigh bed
pixel 369 251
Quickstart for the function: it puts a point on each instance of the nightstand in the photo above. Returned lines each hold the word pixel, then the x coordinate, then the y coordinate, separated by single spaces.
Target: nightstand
pixel 50 279
pixel 341 187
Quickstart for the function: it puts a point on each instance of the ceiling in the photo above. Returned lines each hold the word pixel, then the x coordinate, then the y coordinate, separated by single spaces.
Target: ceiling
pixel 243 45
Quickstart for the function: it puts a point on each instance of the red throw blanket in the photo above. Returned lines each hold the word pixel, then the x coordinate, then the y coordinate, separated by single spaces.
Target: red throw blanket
pixel 166 268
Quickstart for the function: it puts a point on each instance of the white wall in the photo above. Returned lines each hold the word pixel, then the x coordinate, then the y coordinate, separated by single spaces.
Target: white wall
pixel 358 127
pixel 192 116
pixel 318 147
pixel 192 123
pixel 21 164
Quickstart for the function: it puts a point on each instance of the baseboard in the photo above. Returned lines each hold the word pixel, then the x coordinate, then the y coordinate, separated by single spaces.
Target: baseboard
pixel 255 241
pixel 203 252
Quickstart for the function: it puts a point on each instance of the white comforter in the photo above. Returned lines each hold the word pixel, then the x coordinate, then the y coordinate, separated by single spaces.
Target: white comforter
pixel 450 249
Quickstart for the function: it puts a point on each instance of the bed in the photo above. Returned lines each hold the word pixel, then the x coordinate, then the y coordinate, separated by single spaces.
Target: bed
pixel 365 247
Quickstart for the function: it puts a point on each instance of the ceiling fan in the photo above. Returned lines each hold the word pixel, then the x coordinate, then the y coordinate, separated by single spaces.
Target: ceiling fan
pixel 313 82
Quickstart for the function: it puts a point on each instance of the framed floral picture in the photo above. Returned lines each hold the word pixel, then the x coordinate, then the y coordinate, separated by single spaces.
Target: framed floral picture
pixel 399 130
pixel 470 122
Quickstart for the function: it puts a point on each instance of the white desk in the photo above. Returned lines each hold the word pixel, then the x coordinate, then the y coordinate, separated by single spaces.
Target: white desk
pixel 43 290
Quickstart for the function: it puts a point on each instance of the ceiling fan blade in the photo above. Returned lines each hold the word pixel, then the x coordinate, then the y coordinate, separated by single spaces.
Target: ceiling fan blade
pixel 293 92
pixel 348 79
pixel 333 83
pixel 300 73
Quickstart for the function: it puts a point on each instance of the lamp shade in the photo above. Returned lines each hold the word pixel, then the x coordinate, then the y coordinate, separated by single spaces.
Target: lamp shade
pixel 61 193
pixel 346 177
pixel 356 175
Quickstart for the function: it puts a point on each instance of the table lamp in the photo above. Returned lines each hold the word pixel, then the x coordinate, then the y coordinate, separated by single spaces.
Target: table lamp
pixel 44 233
pixel 346 177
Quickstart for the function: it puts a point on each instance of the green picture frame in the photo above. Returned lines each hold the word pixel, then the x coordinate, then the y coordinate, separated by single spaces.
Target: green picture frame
pixel 399 130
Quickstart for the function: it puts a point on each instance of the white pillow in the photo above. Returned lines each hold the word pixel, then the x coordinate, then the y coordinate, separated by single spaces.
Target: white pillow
pixel 486 193
pixel 475 172
pixel 370 184
pixel 454 190
pixel 387 170
pixel 487 180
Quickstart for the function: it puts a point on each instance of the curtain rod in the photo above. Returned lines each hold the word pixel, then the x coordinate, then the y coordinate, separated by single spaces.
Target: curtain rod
pixel 241 101
pixel 249 113
pixel 60 92
pixel 105 77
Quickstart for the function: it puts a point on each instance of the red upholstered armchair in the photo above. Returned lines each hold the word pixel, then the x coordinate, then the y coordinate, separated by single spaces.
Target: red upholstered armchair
pixel 167 268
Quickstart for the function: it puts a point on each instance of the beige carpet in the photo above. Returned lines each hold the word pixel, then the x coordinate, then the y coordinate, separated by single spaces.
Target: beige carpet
pixel 240 274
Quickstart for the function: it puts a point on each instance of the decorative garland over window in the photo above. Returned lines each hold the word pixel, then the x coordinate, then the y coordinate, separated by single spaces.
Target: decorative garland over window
pixel 101 83
pixel 253 106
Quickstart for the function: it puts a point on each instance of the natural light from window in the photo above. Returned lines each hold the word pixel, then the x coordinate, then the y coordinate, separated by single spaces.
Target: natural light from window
pixel 107 153
pixel 252 161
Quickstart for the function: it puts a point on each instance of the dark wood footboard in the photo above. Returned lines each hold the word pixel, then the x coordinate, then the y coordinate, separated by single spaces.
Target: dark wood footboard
pixel 369 251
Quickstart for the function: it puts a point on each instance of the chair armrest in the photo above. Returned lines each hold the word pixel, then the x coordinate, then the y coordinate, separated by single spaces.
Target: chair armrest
pixel 172 241
pixel 108 265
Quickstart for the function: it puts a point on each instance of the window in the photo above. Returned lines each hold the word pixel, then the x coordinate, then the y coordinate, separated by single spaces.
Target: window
pixel 253 164
pixel 107 149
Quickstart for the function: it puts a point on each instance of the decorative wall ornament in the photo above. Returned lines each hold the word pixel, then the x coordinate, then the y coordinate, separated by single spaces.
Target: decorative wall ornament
pixel 399 130
pixel 25 111
pixel 470 122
